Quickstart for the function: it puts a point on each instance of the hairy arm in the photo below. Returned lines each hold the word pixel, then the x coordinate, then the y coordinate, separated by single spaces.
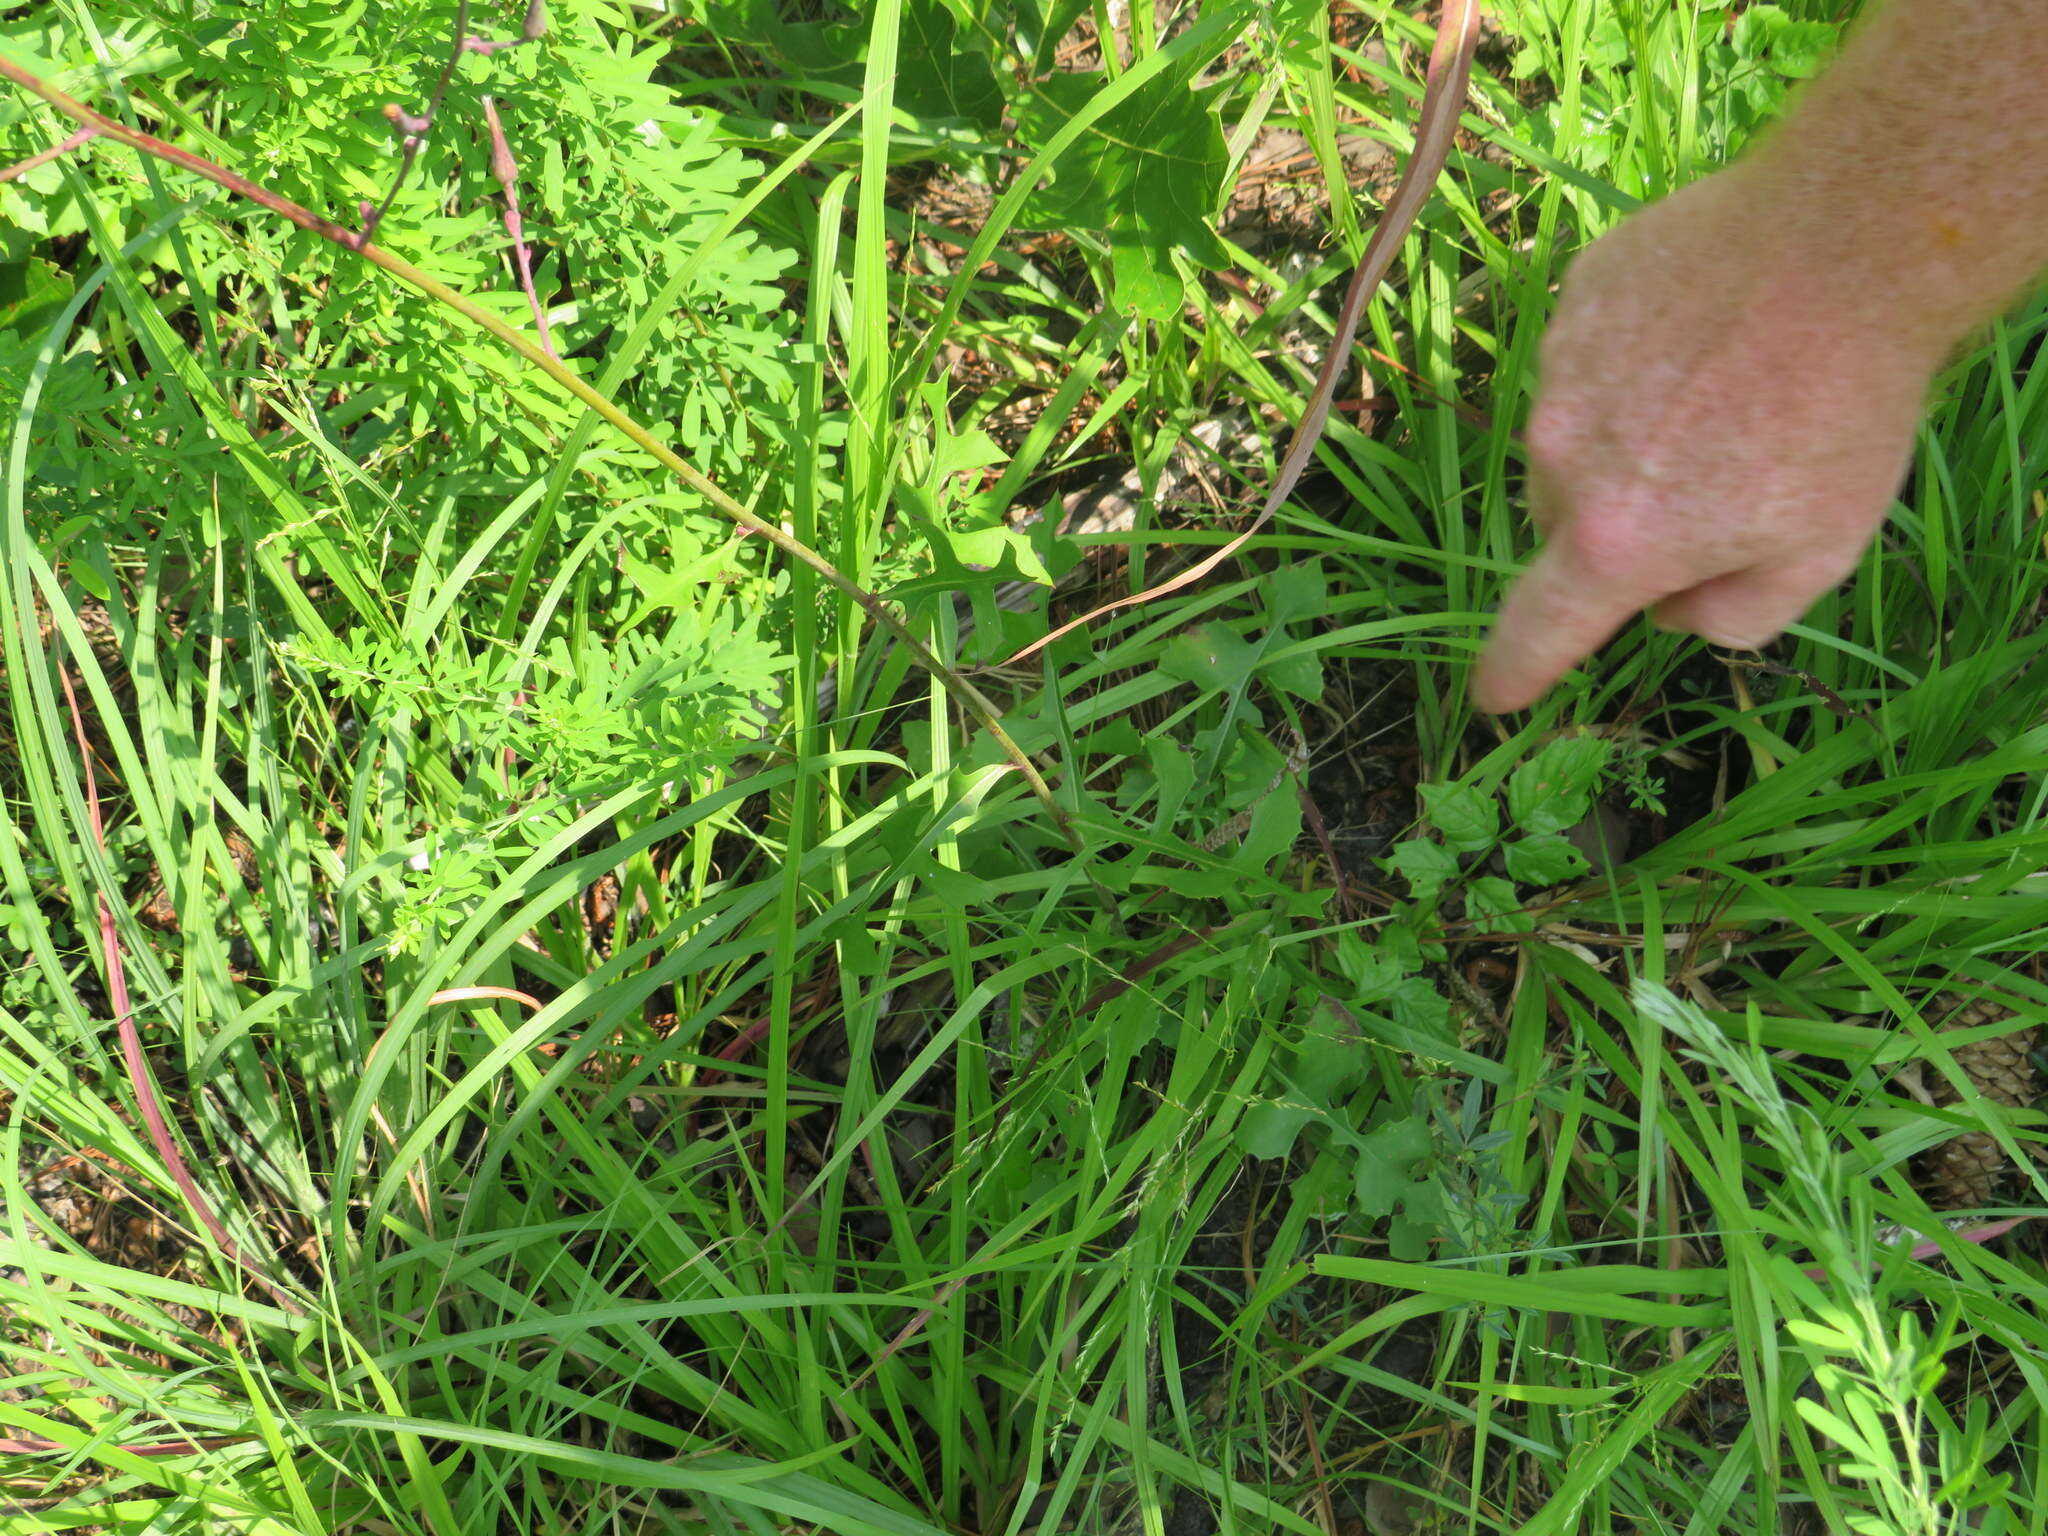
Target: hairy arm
pixel 1734 375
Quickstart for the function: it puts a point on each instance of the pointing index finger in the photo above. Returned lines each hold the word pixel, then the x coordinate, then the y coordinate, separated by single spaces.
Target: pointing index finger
pixel 1557 613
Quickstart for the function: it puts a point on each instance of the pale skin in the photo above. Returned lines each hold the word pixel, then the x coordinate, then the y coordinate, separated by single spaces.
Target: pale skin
pixel 1734 376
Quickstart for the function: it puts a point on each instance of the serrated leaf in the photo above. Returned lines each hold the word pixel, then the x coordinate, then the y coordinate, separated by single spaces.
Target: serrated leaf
pixel 1468 819
pixel 1545 859
pixel 1755 28
pixel 1766 35
pixel 1554 788
pixel 1802 48
pixel 1426 866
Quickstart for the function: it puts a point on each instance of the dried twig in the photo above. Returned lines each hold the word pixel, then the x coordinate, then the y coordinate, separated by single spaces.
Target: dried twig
pixel 1443 98
pixel 1835 703
pixel 506 170
pixel 131 1043
pixel 44 157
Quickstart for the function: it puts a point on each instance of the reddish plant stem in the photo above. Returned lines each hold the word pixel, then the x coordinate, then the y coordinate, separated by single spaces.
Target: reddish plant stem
pixel 131 1041
pixel 1927 1247
pixel 220 175
pixel 44 157
pixel 39 1445
pixel 506 170
pixel 414 130
pixel 534 25
pixel 1443 98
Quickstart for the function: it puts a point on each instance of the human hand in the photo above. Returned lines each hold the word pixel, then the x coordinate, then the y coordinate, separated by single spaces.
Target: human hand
pixel 1722 426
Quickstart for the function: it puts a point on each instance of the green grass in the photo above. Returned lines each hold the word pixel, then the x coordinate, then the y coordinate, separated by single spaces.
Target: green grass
pixel 881 1166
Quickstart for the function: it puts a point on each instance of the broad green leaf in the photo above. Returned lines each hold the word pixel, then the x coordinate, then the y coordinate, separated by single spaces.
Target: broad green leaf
pixel 1250 769
pixel 1147 176
pixel 1210 656
pixel 1299 673
pixel 1490 899
pixel 1386 1161
pixel 972 548
pixel 1544 859
pixel 1423 1217
pixel 1297 594
pixel 1408 1237
pixel 1269 1129
pixel 943 72
pixel 1297 591
pixel 1426 865
pixel 1554 788
pixel 30 292
pixel 981 556
pixel 1330 1060
pixel 1417 1005
pixel 1276 825
pixel 1468 819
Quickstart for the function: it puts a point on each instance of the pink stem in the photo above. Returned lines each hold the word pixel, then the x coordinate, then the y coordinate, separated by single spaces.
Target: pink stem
pixel 44 157
pixel 37 1445
pixel 506 170
pixel 1927 1248
pixel 131 1039
pixel 1443 99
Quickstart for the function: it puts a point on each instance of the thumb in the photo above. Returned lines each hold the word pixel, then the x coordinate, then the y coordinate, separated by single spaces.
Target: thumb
pixel 1555 614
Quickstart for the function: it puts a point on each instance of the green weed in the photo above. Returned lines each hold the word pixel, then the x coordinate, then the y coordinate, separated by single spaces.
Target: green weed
pixel 668 1068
